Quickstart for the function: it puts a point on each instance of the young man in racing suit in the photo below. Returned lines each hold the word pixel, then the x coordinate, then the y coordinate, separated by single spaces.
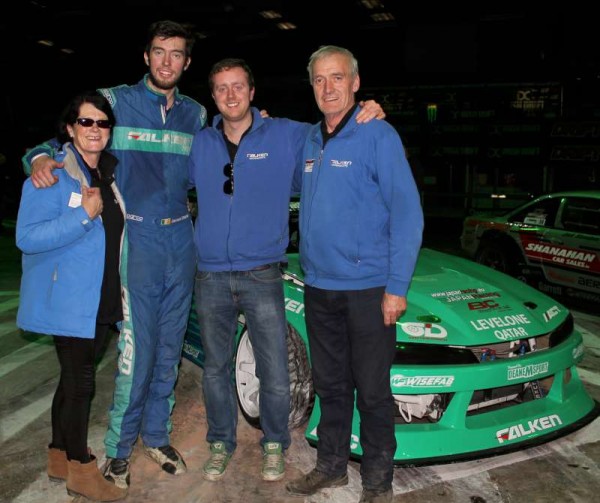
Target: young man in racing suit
pixel 152 141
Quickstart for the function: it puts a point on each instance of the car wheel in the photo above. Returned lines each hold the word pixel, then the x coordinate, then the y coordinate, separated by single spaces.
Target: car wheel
pixel 302 395
pixel 248 384
pixel 497 256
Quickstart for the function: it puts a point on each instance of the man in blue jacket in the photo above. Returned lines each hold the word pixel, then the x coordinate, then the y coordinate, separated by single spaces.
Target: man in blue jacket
pixel 360 233
pixel 245 169
pixel 152 142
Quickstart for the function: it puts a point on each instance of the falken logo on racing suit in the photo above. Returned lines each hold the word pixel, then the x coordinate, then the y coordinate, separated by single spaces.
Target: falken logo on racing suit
pixel 422 381
pixel 340 164
pixel 551 313
pixel 526 371
pixel 507 326
pixel 125 344
pixel 520 430
pixel 426 330
pixel 149 137
pixel 561 255
pixel 257 157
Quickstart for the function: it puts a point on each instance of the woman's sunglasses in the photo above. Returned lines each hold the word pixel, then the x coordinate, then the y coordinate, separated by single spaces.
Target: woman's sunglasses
pixel 87 122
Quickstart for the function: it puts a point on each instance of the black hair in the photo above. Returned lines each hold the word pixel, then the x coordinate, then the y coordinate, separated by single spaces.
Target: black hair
pixel 227 64
pixel 170 29
pixel 71 112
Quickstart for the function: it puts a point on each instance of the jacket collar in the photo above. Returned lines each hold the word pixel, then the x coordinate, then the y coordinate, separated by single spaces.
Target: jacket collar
pixel 155 96
pixel 257 120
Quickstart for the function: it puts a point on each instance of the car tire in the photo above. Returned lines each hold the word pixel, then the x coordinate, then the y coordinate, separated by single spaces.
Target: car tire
pixel 302 395
pixel 498 256
pixel 248 385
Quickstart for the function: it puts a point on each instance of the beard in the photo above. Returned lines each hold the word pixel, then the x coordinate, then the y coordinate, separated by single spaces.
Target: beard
pixel 164 85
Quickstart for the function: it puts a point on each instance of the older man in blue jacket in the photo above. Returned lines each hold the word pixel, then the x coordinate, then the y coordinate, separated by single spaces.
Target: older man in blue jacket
pixel 360 225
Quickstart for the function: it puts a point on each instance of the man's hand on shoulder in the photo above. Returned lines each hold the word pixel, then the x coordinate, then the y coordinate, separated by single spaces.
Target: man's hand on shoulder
pixel 369 110
pixel 41 171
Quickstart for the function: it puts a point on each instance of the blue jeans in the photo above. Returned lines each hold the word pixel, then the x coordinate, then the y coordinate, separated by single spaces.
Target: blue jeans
pixel 352 350
pixel 220 297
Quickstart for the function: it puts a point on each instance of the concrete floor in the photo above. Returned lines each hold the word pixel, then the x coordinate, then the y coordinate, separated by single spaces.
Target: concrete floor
pixel 565 470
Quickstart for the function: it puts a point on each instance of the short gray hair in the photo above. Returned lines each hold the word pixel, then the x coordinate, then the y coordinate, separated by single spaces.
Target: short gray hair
pixel 329 50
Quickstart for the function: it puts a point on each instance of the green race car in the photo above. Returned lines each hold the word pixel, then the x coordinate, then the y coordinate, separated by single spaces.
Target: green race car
pixel 484 364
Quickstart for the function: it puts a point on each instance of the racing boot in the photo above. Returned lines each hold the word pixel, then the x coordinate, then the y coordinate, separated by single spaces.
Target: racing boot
pixel 168 458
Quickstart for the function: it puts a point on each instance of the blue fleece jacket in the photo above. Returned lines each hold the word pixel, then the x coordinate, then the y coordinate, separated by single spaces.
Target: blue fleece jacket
pixel 361 220
pixel 249 228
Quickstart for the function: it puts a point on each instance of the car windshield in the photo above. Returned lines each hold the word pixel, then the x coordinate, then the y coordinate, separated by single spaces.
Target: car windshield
pixel 539 213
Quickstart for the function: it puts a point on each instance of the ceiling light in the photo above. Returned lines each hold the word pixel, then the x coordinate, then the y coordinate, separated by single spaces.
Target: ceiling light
pixel 270 14
pixel 47 43
pixel 372 4
pixel 286 26
pixel 382 16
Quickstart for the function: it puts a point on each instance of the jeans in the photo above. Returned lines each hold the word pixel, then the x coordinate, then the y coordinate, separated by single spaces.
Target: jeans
pixel 352 350
pixel 220 296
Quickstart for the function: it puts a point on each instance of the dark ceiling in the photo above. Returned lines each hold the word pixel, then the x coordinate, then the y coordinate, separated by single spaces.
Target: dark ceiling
pixel 422 44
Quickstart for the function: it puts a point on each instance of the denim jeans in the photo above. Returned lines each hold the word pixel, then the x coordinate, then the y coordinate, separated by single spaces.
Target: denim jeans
pixel 352 350
pixel 220 296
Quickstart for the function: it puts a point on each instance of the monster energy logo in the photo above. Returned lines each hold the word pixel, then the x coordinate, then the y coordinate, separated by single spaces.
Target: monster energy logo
pixel 431 112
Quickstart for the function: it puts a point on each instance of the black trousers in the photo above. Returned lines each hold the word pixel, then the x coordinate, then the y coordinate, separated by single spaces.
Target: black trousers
pixel 71 403
pixel 352 351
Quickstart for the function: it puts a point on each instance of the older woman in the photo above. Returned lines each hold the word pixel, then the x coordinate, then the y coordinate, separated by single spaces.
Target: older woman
pixel 70 235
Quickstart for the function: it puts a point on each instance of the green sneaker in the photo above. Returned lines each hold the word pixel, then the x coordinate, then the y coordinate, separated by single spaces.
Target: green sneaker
pixel 273 467
pixel 216 465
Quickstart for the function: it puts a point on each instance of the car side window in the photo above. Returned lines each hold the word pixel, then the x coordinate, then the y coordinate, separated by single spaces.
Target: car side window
pixel 540 214
pixel 581 215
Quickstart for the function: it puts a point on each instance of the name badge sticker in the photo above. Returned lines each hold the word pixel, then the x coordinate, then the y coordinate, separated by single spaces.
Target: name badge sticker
pixel 75 200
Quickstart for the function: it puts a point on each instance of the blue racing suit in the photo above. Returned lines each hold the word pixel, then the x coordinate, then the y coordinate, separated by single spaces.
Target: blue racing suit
pixel 158 263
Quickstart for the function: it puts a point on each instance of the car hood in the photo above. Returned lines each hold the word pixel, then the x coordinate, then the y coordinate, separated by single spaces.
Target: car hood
pixel 453 301
pixel 468 304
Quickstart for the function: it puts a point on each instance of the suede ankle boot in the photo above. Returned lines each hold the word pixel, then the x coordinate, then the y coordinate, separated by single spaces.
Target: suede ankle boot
pixel 57 465
pixel 85 479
